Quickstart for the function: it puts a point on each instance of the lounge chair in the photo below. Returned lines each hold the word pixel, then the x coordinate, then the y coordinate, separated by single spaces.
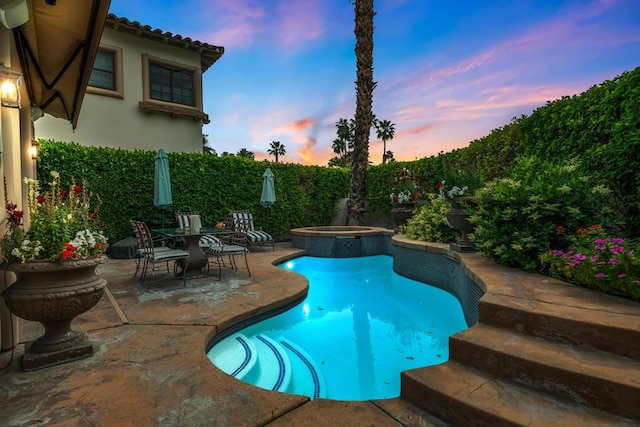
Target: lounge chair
pixel 243 221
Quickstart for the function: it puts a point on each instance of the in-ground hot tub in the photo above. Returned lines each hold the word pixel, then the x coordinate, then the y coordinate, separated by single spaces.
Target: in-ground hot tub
pixel 342 241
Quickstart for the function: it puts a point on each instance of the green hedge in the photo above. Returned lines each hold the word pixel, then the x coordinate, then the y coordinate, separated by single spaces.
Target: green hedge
pixel 306 195
pixel 600 127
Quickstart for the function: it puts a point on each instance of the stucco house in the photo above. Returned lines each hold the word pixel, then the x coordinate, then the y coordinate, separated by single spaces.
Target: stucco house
pixel 70 71
pixel 144 92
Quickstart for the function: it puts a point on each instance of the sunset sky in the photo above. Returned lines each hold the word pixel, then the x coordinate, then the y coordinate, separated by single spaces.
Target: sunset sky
pixel 448 71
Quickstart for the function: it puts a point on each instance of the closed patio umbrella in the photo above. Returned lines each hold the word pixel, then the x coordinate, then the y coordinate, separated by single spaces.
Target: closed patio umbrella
pixel 268 196
pixel 162 183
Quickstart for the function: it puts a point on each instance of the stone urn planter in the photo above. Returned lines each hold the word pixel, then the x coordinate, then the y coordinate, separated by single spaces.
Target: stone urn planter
pixel 53 294
pixel 459 219
pixel 400 213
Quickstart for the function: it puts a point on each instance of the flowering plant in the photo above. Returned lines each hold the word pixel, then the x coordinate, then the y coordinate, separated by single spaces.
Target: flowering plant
pixel 465 182
pixel 597 261
pixel 62 225
pixel 406 187
pixel 451 192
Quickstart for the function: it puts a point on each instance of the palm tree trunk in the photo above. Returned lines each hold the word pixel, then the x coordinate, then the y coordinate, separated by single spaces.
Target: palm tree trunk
pixel 365 85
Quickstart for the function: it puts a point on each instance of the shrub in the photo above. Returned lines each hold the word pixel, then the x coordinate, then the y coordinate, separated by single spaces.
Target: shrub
pixel 430 224
pixel 597 261
pixel 516 217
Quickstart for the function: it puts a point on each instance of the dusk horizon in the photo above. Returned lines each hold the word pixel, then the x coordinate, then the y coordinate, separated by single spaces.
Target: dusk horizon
pixel 446 75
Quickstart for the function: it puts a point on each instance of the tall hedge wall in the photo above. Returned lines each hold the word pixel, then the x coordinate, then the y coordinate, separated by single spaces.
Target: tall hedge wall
pixel 601 127
pixel 306 195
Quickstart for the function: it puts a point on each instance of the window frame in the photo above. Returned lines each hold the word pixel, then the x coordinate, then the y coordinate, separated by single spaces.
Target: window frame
pixel 118 91
pixel 175 109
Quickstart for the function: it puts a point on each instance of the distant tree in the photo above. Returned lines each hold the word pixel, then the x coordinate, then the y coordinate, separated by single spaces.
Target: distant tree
pixel 389 156
pixel 246 154
pixel 385 131
pixel 205 146
pixel 343 144
pixel 227 154
pixel 276 149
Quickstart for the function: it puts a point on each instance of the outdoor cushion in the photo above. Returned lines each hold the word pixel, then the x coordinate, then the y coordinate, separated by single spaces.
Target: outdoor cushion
pixel 243 221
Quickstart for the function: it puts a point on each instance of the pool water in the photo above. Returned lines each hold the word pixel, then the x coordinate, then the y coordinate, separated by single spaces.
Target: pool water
pixel 359 327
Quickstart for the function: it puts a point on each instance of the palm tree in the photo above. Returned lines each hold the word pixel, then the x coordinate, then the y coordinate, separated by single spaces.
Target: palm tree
pixel 385 131
pixel 365 85
pixel 246 154
pixel 277 149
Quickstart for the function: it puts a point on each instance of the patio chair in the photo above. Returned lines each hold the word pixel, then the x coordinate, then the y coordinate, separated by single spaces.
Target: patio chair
pixel 158 243
pixel 230 246
pixel 243 221
pixel 183 219
pixel 153 255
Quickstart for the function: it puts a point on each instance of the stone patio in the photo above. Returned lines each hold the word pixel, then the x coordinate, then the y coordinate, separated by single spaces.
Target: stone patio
pixel 150 368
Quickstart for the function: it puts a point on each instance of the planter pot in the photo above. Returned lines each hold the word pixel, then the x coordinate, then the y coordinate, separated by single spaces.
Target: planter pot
pixel 401 212
pixel 459 219
pixel 53 294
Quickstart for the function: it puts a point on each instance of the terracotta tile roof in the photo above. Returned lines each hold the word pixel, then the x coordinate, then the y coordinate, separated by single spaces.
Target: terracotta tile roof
pixel 209 53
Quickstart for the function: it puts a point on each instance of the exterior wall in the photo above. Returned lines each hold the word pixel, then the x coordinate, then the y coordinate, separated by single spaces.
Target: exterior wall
pixel 15 164
pixel 108 121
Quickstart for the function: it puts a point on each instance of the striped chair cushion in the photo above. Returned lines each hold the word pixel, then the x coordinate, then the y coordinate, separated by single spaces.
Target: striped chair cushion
pixel 209 241
pixel 243 221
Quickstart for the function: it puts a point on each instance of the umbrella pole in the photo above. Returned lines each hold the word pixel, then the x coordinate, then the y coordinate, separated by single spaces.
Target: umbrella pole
pixel 162 222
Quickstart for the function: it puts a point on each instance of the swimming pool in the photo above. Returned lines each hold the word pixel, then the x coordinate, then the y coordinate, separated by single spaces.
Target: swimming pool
pixel 358 328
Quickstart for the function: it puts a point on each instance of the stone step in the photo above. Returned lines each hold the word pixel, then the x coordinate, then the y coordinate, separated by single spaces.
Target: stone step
pixel 605 322
pixel 591 377
pixel 465 396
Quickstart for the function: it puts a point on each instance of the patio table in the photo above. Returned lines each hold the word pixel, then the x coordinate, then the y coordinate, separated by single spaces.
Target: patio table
pixel 197 257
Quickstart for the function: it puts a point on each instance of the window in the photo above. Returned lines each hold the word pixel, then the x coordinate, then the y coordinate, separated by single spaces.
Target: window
pixel 171 84
pixel 106 76
pixel 172 88
pixel 103 73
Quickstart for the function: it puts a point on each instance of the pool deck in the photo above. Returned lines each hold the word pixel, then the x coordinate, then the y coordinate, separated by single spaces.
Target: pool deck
pixel 149 366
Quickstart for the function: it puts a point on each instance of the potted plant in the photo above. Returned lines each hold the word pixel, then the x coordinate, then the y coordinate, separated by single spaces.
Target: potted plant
pixel 55 262
pixel 406 191
pixel 458 188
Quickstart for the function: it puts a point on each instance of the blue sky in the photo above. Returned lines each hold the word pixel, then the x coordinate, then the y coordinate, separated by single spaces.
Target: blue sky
pixel 448 72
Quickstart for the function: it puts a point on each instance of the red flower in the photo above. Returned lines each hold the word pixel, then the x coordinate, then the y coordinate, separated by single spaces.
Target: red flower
pixel 77 189
pixel 69 247
pixel 560 228
pixel 66 254
pixel 40 199
pixel 595 226
pixel 63 193
pixel 94 216
pixel 438 186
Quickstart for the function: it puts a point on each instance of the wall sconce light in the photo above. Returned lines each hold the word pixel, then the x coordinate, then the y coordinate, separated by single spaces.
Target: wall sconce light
pixel 35 149
pixel 10 82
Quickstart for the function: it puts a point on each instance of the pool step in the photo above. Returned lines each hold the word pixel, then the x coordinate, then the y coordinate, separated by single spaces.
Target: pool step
pixel 307 378
pixel 236 355
pixel 273 368
pixel 273 364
